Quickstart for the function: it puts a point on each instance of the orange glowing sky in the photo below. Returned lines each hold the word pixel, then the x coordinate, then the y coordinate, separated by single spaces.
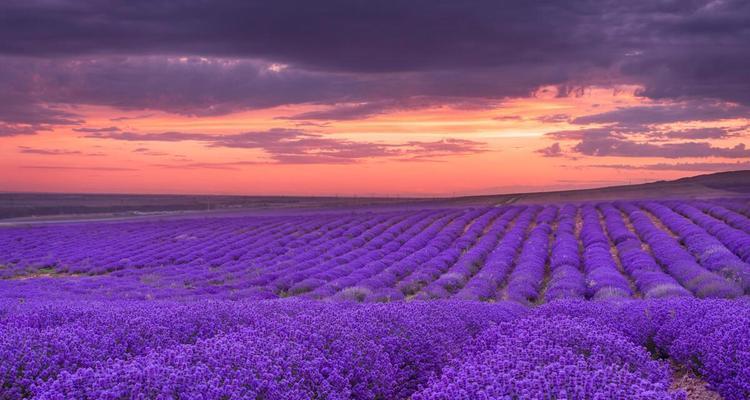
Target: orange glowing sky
pixel 511 132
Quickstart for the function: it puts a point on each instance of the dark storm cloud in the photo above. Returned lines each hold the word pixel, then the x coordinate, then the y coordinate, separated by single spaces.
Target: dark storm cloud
pixel 362 58
pixel 330 35
pixel 693 49
pixel 676 47
pixel 383 54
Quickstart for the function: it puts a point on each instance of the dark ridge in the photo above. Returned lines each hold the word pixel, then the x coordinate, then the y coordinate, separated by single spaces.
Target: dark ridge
pixel 22 205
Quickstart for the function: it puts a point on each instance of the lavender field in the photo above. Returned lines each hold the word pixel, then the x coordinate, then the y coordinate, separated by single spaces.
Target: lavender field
pixel 607 300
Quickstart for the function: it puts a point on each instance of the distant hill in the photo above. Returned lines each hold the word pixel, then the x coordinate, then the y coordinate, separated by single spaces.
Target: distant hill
pixel 716 185
pixel 732 181
pixel 63 206
pixel 49 205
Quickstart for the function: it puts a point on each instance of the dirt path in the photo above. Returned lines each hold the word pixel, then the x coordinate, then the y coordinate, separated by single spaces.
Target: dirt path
pixel 692 385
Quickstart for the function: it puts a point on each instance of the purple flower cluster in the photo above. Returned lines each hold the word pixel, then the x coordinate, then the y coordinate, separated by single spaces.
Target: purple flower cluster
pixel 709 337
pixel 347 250
pixel 437 259
pixel 566 280
pixel 525 282
pixel 740 206
pixel 648 276
pixel 554 357
pixel 603 278
pixel 481 238
pixel 676 260
pixel 485 284
pixel 707 249
pixel 302 349
pixel 734 239
pixel 238 350
pixel 388 249
pixel 443 251
pixel 730 217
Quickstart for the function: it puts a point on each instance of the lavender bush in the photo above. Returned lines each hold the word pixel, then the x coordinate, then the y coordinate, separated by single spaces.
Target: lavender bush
pixel 420 350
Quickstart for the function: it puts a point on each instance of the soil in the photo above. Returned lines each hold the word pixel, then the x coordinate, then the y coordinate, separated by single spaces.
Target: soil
pixel 693 385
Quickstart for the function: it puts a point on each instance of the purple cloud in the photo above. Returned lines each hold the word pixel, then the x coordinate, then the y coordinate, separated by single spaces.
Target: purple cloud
pixel 55 152
pixel 120 119
pixel 46 152
pixel 637 117
pixel 431 151
pixel 581 134
pixel 697 166
pixel 148 152
pixel 21 129
pixel 699 133
pixel 79 168
pixel 97 130
pixel 366 58
pixel 197 86
pixel 230 165
pixel 351 111
pixel 292 146
pixel 509 118
pixel 553 150
pixel 603 142
pixel 554 118
pixel 603 146
pixel 391 36
pixel 150 137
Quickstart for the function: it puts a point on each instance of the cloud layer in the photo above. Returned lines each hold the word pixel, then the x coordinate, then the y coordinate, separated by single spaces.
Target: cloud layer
pixel 293 146
pixel 211 58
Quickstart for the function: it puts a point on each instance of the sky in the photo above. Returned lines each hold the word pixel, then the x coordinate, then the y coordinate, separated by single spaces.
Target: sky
pixel 386 98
